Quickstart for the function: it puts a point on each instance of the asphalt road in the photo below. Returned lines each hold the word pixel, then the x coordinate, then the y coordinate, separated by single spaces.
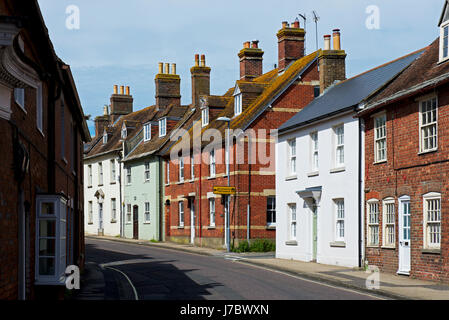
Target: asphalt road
pixel 133 271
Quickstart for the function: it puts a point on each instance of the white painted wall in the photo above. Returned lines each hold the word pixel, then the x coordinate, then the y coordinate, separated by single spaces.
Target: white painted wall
pixel 334 186
pixel 111 190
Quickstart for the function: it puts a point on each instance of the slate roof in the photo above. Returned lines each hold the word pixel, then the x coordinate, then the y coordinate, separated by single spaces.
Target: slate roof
pixel 345 95
pixel 423 74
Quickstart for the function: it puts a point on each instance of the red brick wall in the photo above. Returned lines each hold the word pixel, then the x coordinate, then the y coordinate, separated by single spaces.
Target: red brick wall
pixel 408 173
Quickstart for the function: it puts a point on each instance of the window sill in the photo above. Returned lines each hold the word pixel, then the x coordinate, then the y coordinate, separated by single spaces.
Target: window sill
pixel 90 187
pixel 389 247
pixel 40 131
pixel 431 251
pixel 179 227
pixel 379 162
pixel 146 181
pixel 313 174
pixel 271 227
pixel 427 152
pixel 336 170
pixel 113 221
pixel 147 222
pixel 211 228
pixel 192 180
pixel 291 178
pixel 179 182
pixel 291 243
pixel 338 244
pixel 211 178
pixel 374 246
pixel 90 223
pixel 100 185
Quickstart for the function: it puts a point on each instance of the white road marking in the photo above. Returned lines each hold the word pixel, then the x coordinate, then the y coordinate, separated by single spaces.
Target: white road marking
pixel 127 278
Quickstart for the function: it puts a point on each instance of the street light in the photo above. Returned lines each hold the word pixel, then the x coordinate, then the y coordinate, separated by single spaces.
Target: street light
pixel 227 218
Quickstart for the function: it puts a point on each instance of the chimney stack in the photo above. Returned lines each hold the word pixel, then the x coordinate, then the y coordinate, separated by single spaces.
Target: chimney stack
pixel 168 86
pixel 121 104
pixel 290 44
pixel 200 79
pixel 332 63
pixel 251 60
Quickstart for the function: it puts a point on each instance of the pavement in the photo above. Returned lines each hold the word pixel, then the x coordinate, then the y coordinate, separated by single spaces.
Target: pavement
pixel 388 285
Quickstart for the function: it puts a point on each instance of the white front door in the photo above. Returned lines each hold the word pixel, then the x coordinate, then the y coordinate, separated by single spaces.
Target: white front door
pixel 192 220
pixel 100 217
pixel 404 235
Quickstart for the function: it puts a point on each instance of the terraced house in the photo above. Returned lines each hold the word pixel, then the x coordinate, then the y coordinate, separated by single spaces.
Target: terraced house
pixel 406 173
pixel 43 129
pixel 257 103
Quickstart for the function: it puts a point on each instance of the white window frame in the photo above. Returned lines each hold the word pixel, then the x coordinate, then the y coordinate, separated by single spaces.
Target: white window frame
pixel 162 127
pixel 147 132
pixel 238 101
pixel 124 132
pixel 89 175
pixel 19 97
pixel 146 175
pixel 168 172
pixel 105 137
pixel 292 162
pixel 39 108
pixel 205 116
pixel 212 212
pixel 435 198
pixel 181 213
pixel 192 167
pixel 113 171
pixel 147 215
pixel 90 218
pixel 423 127
pixel 271 211
pixel 292 221
pixel 380 138
pixel 113 209
pixel 128 175
pixel 339 146
pixel 128 213
pixel 314 151
pixel 339 214
pixel 443 27
pixel 181 169
pixel 372 217
pixel 59 218
pixel 100 173
pixel 212 164
pixel 388 223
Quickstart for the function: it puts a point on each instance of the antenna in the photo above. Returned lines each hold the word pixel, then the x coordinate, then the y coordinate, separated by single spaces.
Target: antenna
pixel 316 18
pixel 303 16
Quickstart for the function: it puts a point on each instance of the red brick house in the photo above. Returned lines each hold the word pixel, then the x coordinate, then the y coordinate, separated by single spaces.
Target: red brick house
pixel 43 128
pixel 257 103
pixel 407 168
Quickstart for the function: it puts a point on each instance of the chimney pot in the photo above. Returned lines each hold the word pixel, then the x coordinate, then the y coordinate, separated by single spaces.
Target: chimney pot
pixel 284 24
pixel 197 60
pixel 122 90
pixel 337 41
pixel 246 44
pixel 203 60
pixel 295 24
pixel 127 90
pixel 327 42
pixel 173 68
pixel 161 68
pixel 255 44
pixel 167 68
pixel 115 89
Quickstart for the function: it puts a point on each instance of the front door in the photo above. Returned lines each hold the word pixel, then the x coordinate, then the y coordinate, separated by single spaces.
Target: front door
pixel 404 235
pixel 192 220
pixel 135 222
pixel 315 232
pixel 100 218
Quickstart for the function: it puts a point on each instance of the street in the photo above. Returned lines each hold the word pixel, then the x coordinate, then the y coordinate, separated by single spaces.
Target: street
pixel 133 271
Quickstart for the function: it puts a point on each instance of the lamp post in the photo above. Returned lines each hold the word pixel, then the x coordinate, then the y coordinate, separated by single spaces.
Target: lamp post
pixel 227 216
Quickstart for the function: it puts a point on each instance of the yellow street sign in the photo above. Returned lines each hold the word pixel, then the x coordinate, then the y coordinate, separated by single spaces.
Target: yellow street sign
pixel 224 190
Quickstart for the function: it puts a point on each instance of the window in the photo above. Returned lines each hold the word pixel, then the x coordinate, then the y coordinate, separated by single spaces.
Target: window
pixel 292 221
pixel 432 220
pixel 444 32
pixel 205 117
pixel 147 212
pixel 89 175
pixel 181 169
pixel 19 97
pixel 113 175
pixel 339 146
pixel 292 156
pixel 105 137
pixel 339 219
pixel 316 91
pixel 237 101
pixel 89 213
pixel 181 214
pixel 271 211
pixel 113 210
pixel 380 138
pixel 51 240
pixel 100 173
pixel 373 223
pixel 39 109
pixel 147 171
pixel 212 163
pixel 192 167
pixel 128 213
pixel 124 132
pixel 388 224
pixel 168 172
pixel 162 127
pixel 314 150
pixel 128 175
pixel 212 212
pixel 147 132
pixel 428 125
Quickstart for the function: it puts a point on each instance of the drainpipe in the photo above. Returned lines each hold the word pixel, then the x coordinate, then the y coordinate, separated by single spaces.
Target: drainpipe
pixel 360 172
pixel 160 204
pixel 122 218
pixel 248 213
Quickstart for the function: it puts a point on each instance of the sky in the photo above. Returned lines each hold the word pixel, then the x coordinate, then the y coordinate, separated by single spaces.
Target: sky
pixel 121 42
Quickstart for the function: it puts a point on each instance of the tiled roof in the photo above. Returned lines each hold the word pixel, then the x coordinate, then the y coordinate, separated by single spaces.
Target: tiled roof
pixel 349 93
pixel 423 74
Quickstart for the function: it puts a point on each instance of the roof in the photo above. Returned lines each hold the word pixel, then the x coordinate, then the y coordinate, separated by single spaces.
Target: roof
pixel 347 94
pixel 423 74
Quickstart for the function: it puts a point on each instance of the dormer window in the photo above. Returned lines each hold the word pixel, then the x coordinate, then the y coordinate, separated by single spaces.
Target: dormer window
pixel 162 127
pixel 147 132
pixel 205 116
pixel 105 137
pixel 444 33
pixel 124 132
pixel 237 101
